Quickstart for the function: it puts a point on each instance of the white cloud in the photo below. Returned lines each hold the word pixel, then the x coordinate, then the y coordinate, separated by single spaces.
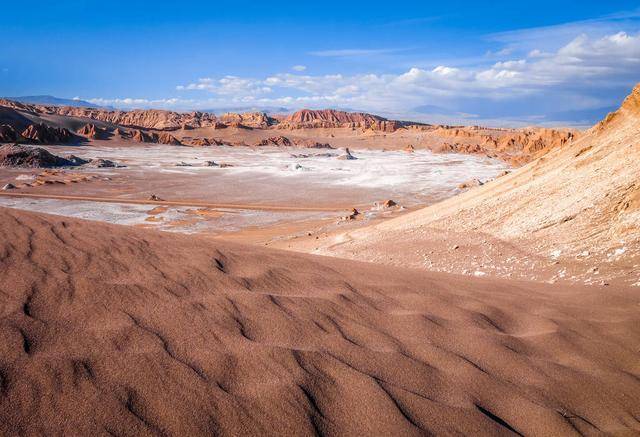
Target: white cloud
pixel 611 57
pixel 567 76
pixel 299 68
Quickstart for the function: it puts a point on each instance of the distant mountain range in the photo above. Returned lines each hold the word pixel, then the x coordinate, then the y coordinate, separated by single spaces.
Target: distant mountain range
pixel 53 101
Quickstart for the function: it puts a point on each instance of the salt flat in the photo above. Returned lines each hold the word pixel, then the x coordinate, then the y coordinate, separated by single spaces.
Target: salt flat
pixel 253 176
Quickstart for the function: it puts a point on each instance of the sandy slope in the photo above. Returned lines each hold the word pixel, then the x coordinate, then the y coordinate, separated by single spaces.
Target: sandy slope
pixel 113 330
pixel 583 198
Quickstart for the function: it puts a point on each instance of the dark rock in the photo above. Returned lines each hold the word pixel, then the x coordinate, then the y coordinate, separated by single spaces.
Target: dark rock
pixel 24 156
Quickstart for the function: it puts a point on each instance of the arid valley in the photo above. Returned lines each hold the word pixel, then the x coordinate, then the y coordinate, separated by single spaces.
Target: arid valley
pixel 317 270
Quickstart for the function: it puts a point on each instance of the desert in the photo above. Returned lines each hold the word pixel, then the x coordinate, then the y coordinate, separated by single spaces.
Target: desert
pixel 371 241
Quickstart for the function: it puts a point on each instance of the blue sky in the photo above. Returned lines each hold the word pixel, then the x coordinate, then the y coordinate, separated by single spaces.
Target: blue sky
pixel 501 63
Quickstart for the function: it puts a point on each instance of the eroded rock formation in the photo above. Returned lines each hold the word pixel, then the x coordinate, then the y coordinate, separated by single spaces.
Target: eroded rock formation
pixel 43 134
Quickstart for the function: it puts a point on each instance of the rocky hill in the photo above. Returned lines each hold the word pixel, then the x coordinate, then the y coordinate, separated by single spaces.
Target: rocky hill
pixel 330 118
pixel 578 204
pixel 54 124
pixel 145 118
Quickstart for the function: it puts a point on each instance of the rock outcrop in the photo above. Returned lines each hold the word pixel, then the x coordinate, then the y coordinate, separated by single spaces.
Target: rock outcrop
pixel 154 137
pixel 8 134
pixel 203 142
pixel 140 136
pixel 279 141
pixel 347 155
pixel 30 157
pixel 104 163
pixel 43 134
pixel 166 138
pixel 311 144
pixel 516 146
pixel 140 119
pixel 330 118
pixel 255 120
pixel 93 132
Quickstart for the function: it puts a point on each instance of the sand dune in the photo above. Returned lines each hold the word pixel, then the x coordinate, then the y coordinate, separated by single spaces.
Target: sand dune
pixel 113 330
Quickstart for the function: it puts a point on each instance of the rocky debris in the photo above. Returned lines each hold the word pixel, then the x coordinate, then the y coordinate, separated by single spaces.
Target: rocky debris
pixel 285 142
pixel 503 173
pixel 312 155
pixel 279 141
pixel 8 134
pixel 30 157
pixel 183 164
pixel 225 165
pixel 471 183
pixel 389 203
pixel 155 198
pixel 211 164
pixel 347 155
pixel 104 163
pixel 91 131
pixel 205 142
pixel 352 215
pixel 410 149
pixel 43 134
pixel 76 160
pixel 9 186
pixel 310 144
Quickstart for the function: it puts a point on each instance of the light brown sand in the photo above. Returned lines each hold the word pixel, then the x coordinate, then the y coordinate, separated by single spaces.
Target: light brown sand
pixel 122 331
pixel 573 213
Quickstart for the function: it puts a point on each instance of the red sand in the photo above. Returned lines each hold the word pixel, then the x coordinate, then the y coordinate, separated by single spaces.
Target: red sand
pixel 114 330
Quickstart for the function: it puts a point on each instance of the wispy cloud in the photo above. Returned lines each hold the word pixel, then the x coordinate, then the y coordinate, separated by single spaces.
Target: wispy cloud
pixel 550 36
pixel 299 67
pixel 614 57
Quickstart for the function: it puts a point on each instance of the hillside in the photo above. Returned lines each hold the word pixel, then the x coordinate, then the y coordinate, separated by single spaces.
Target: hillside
pixel 581 200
